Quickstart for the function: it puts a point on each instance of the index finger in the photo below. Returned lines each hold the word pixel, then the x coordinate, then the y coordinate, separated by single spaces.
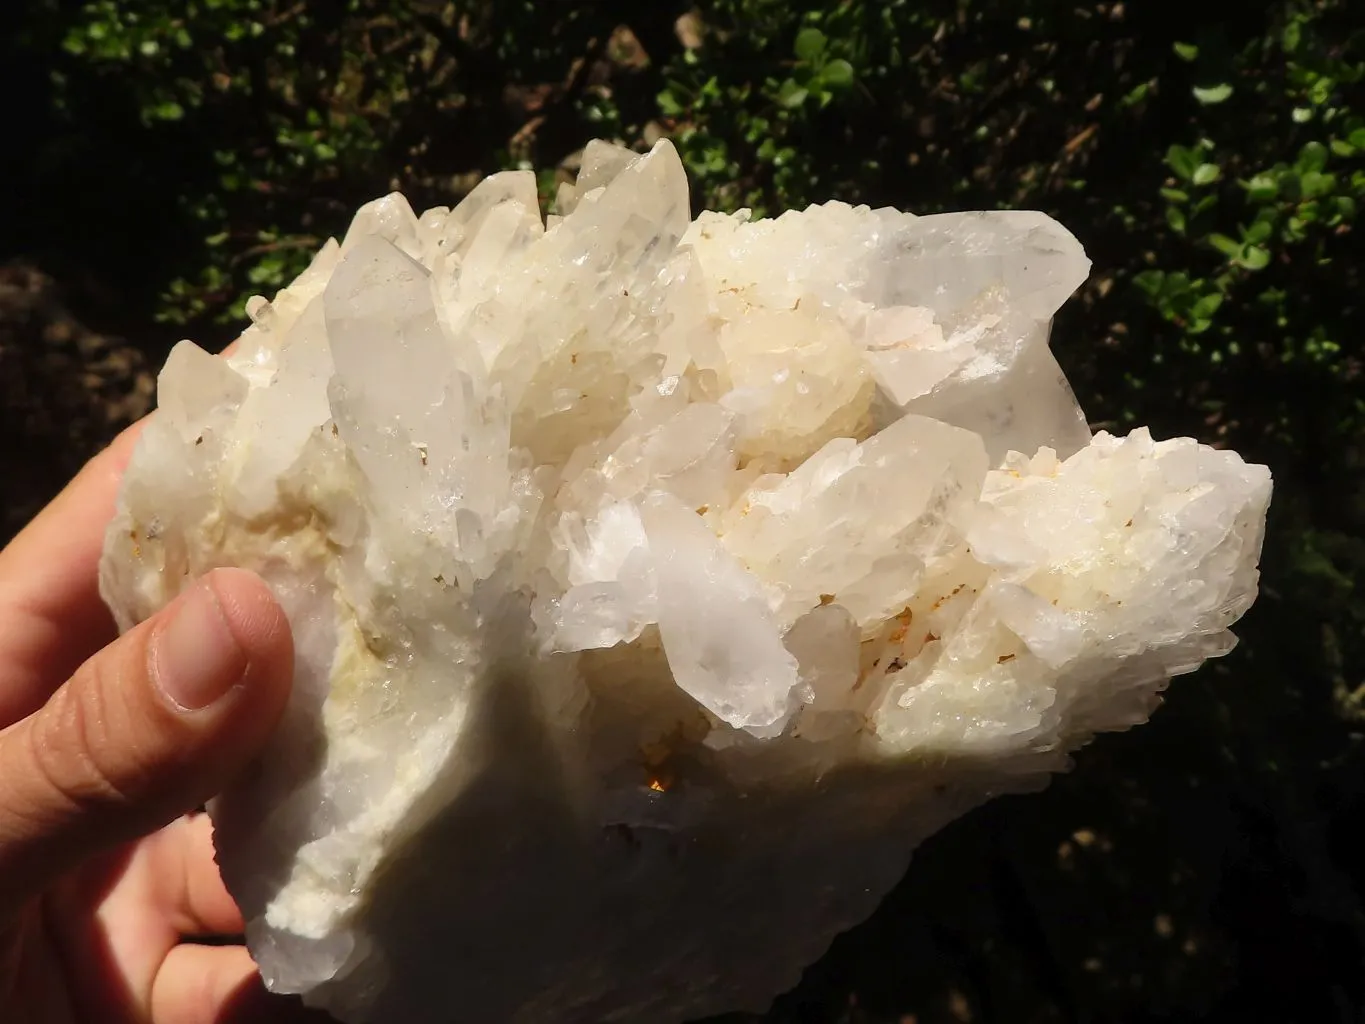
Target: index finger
pixel 51 615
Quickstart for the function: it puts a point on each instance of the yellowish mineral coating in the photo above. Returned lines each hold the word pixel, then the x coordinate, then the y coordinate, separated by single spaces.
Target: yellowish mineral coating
pixel 358 667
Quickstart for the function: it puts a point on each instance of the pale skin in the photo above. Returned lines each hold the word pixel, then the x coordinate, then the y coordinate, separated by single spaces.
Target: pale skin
pixel 107 746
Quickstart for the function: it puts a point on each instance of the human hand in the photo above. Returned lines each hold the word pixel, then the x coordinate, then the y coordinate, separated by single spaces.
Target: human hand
pixel 106 745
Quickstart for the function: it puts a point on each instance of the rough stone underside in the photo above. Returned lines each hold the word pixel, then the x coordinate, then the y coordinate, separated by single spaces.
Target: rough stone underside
pixel 658 584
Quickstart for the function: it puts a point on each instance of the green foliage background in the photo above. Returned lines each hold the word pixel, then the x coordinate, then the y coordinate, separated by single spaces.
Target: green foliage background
pixel 1211 157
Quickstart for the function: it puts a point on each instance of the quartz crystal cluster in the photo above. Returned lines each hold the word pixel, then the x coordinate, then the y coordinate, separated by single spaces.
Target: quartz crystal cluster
pixel 657 584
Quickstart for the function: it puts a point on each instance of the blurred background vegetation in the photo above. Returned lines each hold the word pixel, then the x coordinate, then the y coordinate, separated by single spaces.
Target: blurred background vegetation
pixel 164 159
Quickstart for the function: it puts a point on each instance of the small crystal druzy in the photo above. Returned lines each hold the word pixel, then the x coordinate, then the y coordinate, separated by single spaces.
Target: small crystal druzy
pixel 658 584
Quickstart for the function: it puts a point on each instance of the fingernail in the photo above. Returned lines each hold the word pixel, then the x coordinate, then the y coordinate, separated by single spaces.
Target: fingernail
pixel 197 658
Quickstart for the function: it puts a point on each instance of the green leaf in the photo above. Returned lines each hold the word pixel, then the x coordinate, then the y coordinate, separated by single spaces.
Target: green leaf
pixel 1175 195
pixel 1186 51
pixel 167 111
pixel 1293 33
pixel 810 44
pixel 1137 94
pixel 1206 174
pixel 1175 217
pixel 791 95
pixel 1313 157
pixel 1258 232
pixel 1212 95
pixel 1183 161
pixel 1227 246
pixel 1207 306
pixel 1255 258
pixel 1357 138
pixel 1149 282
pixel 1262 187
pixel 1315 184
pixel 1340 147
pixel 837 74
pixel 1175 285
pixel 1301 115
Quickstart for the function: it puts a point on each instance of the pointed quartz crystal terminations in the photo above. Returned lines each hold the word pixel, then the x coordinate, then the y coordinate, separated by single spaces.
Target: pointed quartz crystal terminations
pixel 657 585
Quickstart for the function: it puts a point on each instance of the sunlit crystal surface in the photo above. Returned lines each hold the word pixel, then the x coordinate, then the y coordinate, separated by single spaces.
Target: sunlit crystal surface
pixel 658 584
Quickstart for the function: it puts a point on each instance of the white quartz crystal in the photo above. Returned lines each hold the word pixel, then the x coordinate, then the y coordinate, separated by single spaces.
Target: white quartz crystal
pixel 658 583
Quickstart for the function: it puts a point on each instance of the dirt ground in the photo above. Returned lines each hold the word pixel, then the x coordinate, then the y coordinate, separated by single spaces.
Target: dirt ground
pixel 65 391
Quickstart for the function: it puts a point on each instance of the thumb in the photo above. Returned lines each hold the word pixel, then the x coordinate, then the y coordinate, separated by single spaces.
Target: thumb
pixel 146 730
